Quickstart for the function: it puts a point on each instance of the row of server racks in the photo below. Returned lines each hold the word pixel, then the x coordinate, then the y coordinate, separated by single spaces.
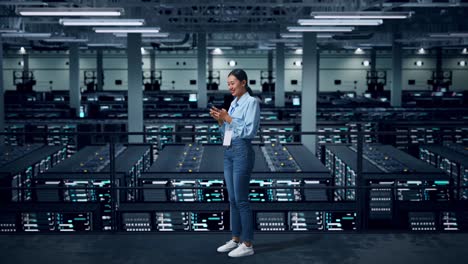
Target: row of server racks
pixel 181 188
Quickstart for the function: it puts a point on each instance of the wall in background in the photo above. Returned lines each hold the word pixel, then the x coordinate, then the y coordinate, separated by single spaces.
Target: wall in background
pixel 179 68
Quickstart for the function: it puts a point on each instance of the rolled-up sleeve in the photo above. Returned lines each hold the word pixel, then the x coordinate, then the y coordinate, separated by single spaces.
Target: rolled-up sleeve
pixel 248 126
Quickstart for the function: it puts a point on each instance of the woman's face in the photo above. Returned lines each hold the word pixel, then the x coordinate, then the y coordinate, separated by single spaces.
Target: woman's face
pixel 236 87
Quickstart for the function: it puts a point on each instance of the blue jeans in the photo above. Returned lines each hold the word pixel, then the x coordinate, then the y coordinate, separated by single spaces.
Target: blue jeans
pixel 238 164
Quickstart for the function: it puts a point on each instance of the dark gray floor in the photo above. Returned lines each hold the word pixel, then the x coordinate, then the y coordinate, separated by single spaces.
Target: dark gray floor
pixel 201 248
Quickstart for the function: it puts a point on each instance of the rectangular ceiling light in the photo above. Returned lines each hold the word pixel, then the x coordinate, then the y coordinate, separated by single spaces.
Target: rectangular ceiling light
pixel 449 35
pixel 65 39
pixel 291 35
pixel 9 30
pixel 127 30
pixel 104 45
pixel 340 22
pixel 26 35
pixel 320 29
pixel 299 35
pixel 361 15
pixel 459 34
pixel 101 22
pixel 145 35
pixel 30 3
pixel 75 11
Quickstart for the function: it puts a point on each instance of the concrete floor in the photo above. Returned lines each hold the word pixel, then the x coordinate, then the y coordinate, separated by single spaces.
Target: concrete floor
pixel 156 248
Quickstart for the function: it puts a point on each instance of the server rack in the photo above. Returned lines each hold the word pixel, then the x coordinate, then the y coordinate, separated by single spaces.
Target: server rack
pixel 21 172
pixel 453 159
pixel 10 153
pixel 20 166
pixel 78 190
pixel 402 190
pixel 190 167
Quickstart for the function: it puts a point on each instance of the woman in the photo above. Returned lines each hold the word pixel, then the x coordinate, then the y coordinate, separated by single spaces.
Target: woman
pixel 239 126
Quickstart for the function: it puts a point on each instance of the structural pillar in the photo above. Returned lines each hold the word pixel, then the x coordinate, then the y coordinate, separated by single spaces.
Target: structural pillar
pixel 201 70
pixel 153 63
pixel 310 74
pixel 99 71
pixel 396 74
pixel 74 78
pixel 280 82
pixel 2 99
pixel 135 87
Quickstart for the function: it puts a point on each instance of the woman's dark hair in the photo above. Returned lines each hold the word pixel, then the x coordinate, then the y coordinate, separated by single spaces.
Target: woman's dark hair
pixel 241 76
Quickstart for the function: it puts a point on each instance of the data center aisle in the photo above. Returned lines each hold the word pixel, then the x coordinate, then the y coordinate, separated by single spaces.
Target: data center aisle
pixel 201 248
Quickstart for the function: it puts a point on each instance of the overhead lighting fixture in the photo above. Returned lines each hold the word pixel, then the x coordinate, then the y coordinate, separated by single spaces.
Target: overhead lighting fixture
pixel 73 11
pixel 101 22
pixel 439 35
pixel 375 45
pixel 421 51
pixel 299 35
pixel 320 29
pixel 340 22
pixel 464 51
pixel 298 51
pixel 9 30
pixel 220 47
pixel 291 35
pixel 104 45
pixel 449 35
pixel 459 34
pixel 359 51
pixel 127 30
pixel 361 15
pixel 22 50
pixel 290 40
pixel 26 35
pixel 145 35
pixel 64 39
pixel 29 3
pixel 366 63
pixel 217 51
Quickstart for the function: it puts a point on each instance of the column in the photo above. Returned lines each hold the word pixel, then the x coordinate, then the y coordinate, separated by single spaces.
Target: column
pixel 153 63
pixel 135 84
pixel 99 70
pixel 280 82
pixel 201 70
pixel 310 73
pixel 396 74
pixel 74 78
pixel 2 99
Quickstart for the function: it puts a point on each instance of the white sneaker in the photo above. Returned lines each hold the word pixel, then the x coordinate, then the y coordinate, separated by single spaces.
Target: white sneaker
pixel 242 251
pixel 230 245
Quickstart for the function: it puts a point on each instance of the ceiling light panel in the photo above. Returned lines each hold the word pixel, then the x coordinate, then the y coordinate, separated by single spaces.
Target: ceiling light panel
pixel 126 30
pixel 361 15
pixel 101 22
pixel 340 22
pixel 48 11
pixel 320 29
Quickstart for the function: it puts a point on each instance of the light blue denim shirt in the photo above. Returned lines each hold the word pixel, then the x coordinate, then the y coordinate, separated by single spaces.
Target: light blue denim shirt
pixel 245 114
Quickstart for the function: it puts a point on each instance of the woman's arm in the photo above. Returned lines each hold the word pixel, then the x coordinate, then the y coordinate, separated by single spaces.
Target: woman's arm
pixel 248 126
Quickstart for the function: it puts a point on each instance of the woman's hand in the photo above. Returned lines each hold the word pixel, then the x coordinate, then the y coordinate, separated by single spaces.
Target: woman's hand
pixel 214 112
pixel 220 115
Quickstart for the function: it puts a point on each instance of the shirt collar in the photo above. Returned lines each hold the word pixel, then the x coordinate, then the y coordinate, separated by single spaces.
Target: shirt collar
pixel 240 101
